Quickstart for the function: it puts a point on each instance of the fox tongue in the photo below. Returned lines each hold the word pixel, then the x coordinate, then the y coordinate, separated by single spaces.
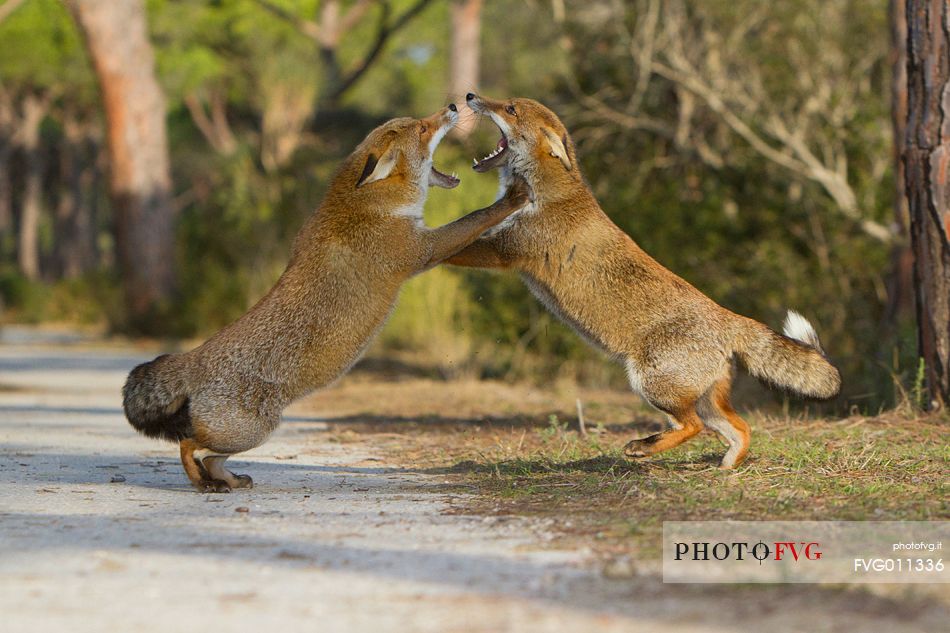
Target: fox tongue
pixel 495 159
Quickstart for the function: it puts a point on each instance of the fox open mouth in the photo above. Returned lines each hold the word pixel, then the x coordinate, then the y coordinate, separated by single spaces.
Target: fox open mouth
pixel 498 156
pixel 438 179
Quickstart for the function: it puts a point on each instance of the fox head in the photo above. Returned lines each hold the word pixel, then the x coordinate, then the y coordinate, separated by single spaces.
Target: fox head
pixel 392 167
pixel 534 143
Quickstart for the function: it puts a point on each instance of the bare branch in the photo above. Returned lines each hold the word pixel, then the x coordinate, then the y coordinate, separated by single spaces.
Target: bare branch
pixel 717 105
pixel 383 33
pixel 795 156
pixel 308 28
pixel 214 125
pixel 801 132
pixel 200 117
pixel 623 119
pixel 354 14
pixel 330 29
pixel 627 119
pixel 644 54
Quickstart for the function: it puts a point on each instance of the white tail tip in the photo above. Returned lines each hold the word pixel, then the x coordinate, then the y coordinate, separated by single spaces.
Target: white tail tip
pixel 797 327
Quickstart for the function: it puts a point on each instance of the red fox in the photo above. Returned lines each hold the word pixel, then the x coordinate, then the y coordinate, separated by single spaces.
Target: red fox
pixel 676 344
pixel 347 265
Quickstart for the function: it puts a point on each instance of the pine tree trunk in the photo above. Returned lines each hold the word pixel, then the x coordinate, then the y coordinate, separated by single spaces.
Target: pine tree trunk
pixel 28 246
pixel 75 231
pixel 6 154
pixel 6 191
pixel 900 282
pixel 140 183
pixel 927 168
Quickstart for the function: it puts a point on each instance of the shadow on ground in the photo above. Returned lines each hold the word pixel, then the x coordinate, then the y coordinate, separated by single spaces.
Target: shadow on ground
pixel 644 597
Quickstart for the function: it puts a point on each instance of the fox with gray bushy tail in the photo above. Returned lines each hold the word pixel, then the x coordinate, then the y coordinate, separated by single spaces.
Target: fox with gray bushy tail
pixel 676 344
pixel 156 401
pixel 347 265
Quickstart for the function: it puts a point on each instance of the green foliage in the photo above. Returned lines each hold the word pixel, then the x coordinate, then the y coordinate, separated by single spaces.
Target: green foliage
pixel 42 50
pixel 27 297
pixel 85 301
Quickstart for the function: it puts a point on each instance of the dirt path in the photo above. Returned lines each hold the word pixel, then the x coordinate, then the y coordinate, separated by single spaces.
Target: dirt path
pixel 99 531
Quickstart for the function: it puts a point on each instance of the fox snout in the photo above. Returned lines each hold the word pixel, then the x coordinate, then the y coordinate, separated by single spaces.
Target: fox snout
pixel 498 112
pixel 484 105
pixel 436 126
pixel 476 103
pixel 450 114
pixel 446 118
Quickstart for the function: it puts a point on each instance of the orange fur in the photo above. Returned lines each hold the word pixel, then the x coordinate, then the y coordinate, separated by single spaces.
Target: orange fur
pixel 677 344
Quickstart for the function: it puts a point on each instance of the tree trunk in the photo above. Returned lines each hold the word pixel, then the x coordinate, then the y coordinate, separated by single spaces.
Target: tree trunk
pixel 900 283
pixel 28 247
pixel 75 230
pixel 6 191
pixel 466 30
pixel 6 154
pixel 927 168
pixel 140 183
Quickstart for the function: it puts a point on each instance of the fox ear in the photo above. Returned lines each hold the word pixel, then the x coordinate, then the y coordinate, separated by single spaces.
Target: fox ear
pixel 378 168
pixel 557 147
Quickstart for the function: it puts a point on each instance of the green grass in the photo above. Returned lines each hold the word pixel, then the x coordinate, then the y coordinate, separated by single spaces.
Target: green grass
pixel 884 468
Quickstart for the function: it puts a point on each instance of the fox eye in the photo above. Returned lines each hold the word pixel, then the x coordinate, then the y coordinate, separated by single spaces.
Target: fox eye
pixel 510 109
pixel 423 128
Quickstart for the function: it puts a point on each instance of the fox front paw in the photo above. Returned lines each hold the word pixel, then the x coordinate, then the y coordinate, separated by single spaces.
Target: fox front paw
pixel 519 193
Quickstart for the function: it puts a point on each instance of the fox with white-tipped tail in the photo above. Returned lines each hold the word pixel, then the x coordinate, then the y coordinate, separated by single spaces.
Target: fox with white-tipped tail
pixel 676 343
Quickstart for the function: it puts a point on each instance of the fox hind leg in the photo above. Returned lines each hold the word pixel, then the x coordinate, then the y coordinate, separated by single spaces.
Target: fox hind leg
pixel 218 434
pixel 717 413
pixel 686 424
pixel 214 464
pixel 192 468
pixel 196 471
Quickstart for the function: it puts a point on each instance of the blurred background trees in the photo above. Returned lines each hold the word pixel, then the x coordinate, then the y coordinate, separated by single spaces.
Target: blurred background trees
pixel 747 145
pixel 140 182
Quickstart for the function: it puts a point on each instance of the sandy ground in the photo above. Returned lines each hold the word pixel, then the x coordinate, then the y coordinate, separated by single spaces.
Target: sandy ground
pixel 98 530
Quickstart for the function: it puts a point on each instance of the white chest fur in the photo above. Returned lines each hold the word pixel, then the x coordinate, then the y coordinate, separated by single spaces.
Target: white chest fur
pixel 413 212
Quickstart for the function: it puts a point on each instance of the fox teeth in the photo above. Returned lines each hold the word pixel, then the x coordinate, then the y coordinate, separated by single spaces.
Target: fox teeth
pixel 496 152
